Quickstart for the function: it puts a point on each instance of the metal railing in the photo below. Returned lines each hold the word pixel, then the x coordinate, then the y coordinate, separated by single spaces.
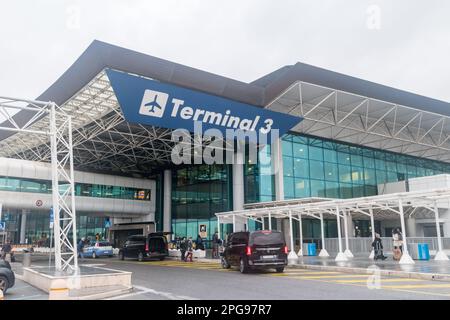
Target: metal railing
pixel 364 245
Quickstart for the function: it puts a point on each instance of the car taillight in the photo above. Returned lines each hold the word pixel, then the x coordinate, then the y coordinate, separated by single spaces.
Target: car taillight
pixel 146 246
pixel 286 249
pixel 249 251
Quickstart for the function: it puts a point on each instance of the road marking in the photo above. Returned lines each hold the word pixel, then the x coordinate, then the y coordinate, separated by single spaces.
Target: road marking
pixel 303 273
pixel 28 297
pixel 418 286
pixel 330 276
pixel 145 290
pixel 381 280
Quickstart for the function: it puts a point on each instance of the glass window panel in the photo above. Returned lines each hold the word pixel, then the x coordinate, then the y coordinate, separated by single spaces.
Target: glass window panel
pixel 356 160
pixel 301 168
pixel 289 188
pixel 344 158
pixel 369 162
pixel 346 190
pixel 332 189
pixel 316 169
pixel 370 176
pixel 288 166
pixel 300 150
pixel 330 155
pixel 345 173
pixel 316 153
pixel 301 188
pixel 317 188
pixel 331 172
pixel 286 148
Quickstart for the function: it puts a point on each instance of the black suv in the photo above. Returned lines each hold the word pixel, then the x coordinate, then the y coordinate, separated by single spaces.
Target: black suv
pixel 141 247
pixel 7 277
pixel 255 250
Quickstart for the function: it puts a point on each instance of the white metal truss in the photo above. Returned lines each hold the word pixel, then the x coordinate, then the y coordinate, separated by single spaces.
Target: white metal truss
pixel 382 207
pixel 59 133
pixel 102 139
pixel 361 120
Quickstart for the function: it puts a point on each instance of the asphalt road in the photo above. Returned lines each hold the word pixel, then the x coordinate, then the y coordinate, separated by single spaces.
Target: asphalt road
pixel 179 280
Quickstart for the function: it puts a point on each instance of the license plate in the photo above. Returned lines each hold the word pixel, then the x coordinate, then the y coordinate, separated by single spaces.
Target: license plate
pixel 269 257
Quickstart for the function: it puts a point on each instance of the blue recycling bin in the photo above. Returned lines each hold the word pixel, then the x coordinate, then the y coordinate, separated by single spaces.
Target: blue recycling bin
pixel 309 249
pixel 423 250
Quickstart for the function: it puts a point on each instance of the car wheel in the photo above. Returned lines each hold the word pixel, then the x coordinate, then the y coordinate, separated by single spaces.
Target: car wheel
pixel 121 256
pixel 140 256
pixel 94 255
pixel 280 269
pixel 243 268
pixel 162 258
pixel 4 285
pixel 225 264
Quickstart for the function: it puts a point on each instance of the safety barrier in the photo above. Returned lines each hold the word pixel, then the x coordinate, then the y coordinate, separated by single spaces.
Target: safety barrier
pixel 364 245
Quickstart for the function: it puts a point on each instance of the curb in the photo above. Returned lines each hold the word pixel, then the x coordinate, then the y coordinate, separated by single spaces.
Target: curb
pixel 103 295
pixel 389 273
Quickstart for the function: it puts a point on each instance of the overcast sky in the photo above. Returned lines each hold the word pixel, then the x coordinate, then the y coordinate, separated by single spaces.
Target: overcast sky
pixel 396 43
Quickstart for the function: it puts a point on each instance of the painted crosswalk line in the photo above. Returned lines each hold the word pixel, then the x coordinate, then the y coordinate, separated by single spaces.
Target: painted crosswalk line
pixel 419 286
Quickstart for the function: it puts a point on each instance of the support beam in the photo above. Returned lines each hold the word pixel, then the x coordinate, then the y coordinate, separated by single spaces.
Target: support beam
pixel 406 258
pixel 292 257
pixel 23 226
pixel 323 252
pixel 270 221
pixel 372 225
pixel 440 254
pixel 340 256
pixel 347 251
pixel 167 204
pixel 238 185
pixel 234 223
pixel 218 227
pixel 300 231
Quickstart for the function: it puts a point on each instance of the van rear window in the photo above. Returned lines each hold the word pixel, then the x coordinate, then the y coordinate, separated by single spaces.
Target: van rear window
pixel 266 237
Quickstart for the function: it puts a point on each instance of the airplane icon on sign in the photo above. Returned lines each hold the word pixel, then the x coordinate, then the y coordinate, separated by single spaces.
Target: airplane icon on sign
pixel 153 104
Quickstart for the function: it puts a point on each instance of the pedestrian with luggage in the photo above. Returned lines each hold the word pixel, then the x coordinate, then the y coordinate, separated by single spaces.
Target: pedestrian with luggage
pixel 378 248
pixel 190 250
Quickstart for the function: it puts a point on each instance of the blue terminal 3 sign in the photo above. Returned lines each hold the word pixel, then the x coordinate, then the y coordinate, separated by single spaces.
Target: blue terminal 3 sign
pixel 151 102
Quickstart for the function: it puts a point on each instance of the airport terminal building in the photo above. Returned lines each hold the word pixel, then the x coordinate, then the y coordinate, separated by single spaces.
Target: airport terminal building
pixel 353 138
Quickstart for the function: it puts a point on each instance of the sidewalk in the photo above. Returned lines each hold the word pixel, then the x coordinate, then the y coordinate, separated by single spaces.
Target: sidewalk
pixel 429 270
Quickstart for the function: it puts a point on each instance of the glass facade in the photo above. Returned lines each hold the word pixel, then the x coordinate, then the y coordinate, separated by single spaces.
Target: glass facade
pixel 37 230
pixel 197 193
pixel 314 167
pixel 258 177
pixel 81 189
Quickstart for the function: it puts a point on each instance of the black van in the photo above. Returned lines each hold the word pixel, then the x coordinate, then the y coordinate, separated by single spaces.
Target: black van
pixel 255 250
pixel 154 246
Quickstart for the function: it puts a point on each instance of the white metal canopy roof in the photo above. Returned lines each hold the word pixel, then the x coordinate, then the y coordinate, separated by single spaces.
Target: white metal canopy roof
pixel 104 141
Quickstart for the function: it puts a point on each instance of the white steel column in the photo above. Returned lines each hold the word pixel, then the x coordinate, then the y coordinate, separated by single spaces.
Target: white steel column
pixel 270 221
pixel 218 227
pixel 234 223
pixel 340 256
pixel 347 251
pixel 292 257
pixel 406 258
pixel 277 166
pixel 372 225
pixel 23 226
pixel 167 198
pixel 263 223
pixel 323 252
pixel 440 254
pixel 238 185
pixel 300 231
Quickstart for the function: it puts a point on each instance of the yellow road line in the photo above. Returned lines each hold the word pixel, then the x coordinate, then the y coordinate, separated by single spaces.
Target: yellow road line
pixel 418 286
pixel 381 280
pixel 331 276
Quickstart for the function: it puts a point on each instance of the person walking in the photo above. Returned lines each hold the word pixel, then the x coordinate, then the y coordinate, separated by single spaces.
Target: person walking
pixel 397 243
pixel 6 249
pixel 378 248
pixel 183 248
pixel 199 243
pixel 215 243
pixel 190 250
pixel 80 248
